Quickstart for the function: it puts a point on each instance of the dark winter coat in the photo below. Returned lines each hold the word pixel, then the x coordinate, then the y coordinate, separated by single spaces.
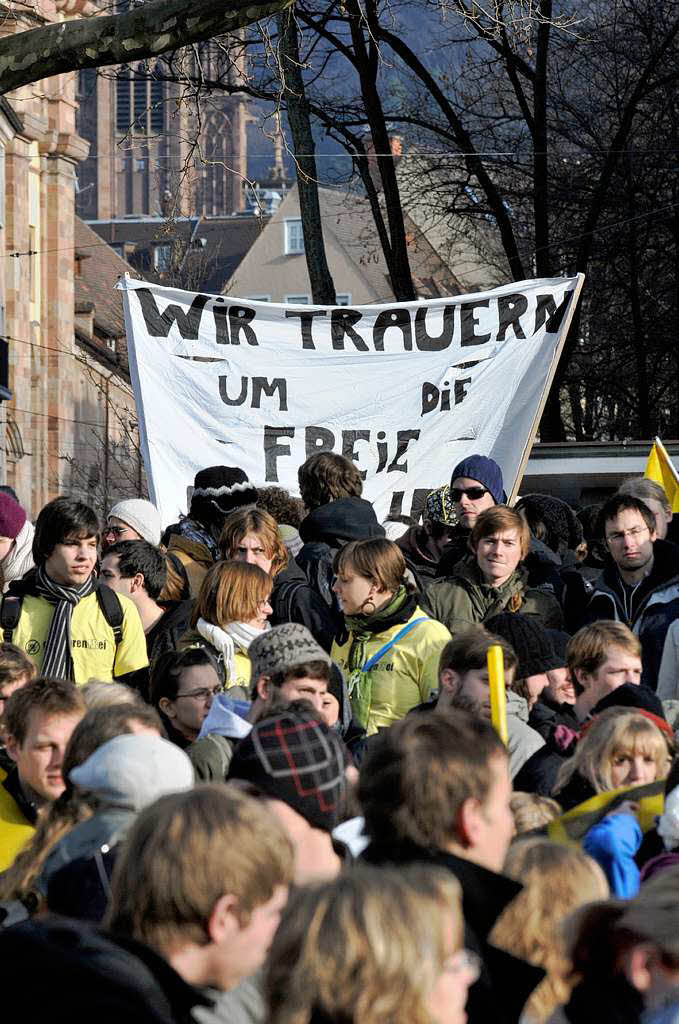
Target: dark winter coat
pixel 294 600
pixel 649 611
pixel 85 975
pixel 505 982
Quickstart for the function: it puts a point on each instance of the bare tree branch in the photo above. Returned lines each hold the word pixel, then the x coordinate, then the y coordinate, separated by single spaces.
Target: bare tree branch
pixel 146 31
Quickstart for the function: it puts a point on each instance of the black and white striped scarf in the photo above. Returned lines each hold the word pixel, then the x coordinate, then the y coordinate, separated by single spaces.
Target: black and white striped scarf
pixel 57 661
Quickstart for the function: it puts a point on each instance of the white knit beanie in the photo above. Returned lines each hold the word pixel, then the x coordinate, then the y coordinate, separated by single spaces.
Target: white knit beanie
pixel 142 516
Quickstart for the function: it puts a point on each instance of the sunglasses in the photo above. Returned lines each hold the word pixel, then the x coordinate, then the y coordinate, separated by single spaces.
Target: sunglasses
pixel 473 493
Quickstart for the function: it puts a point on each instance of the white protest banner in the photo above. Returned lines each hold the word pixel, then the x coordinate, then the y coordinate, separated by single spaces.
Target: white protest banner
pixel 405 390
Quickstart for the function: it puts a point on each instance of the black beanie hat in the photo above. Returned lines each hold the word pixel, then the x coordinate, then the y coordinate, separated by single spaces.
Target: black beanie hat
pixel 564 529
pixel 226 488
pixel 631 695
pixel 530 641
pixel 295 758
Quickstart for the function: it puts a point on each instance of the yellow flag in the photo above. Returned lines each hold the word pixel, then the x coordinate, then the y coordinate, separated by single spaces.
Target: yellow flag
pixel 659 467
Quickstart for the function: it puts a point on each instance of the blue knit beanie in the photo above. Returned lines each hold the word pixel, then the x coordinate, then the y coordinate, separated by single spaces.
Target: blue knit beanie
pixel 486 471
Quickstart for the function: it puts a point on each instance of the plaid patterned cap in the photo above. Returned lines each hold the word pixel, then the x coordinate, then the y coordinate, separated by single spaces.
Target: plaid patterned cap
pixel 295 758
pixel 439 507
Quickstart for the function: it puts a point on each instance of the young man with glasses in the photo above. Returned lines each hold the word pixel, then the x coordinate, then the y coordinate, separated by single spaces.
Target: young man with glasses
pixel 640 582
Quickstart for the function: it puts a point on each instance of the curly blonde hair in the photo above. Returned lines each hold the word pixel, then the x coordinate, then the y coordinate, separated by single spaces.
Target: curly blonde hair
pixel 556 881
pixel 366 948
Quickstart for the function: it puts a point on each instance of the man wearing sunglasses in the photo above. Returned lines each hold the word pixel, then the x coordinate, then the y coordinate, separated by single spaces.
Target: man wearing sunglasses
pixel 475 485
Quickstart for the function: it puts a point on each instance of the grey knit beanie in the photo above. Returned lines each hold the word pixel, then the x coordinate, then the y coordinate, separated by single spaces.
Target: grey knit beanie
pixel 283 647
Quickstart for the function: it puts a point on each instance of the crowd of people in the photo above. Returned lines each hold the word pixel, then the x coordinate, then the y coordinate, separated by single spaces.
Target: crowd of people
pixel 248 772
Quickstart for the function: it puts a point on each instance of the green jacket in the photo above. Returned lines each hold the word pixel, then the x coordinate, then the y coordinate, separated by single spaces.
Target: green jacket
pixel 464 599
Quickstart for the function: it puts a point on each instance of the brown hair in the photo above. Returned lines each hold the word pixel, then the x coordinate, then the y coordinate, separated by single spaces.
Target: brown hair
pixel 280 504
pixel 48 696
pixel 231 592
pixel 588 649
pixel 401 801
pixel 468 651
pixel 325 477
pixel 187 850
pixel 367 947
pixel 492 520
pixel 376 559
pixel 254 520
pixel 14 664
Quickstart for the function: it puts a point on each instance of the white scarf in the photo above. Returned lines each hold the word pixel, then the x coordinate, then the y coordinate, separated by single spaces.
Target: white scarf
pixel 237 635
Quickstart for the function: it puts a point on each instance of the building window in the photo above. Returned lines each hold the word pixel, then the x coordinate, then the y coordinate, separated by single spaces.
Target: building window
pixel 297 300
pixel 343 298
pixel 294 237
pixel 258 298
pixel 162 257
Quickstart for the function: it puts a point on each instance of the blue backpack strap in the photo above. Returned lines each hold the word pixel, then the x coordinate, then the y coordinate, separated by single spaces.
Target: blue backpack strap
pixel 371 662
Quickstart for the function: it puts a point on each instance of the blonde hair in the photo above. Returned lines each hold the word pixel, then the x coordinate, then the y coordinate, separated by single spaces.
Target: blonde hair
pixel 588 649
pixel 556 881
pixel 366 948
pixel 254 520
pixel 614 732
pixel 102 693
pixel 376 559
pixel 231 592
pixel 530 810
pixel 187 850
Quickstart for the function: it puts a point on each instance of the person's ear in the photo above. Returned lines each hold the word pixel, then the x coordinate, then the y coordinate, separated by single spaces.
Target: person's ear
pixel 469 822
pixel 637 968
pixel 137 582
pixel 222 923
pixel 167 707
pixel 263 687
pixel 583 678
pixel 449 680
pixel 12 747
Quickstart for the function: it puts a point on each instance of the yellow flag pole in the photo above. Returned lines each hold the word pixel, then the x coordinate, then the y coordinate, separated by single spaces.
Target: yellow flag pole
pixel 498 695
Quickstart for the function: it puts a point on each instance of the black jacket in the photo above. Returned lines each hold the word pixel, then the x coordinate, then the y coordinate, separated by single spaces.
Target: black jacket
pixel 293 600
pixel 67 972
pixel 327 529
pixel 506 982
pixel 650 608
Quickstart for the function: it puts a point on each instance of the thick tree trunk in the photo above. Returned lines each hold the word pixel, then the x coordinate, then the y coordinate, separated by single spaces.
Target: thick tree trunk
pixel 322 285
pixel 145 31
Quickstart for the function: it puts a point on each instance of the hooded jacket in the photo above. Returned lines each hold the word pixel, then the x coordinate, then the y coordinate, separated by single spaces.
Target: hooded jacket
pixel 648 610
pixel 464 598
pixel 293 599
pixel 196 557
pixel 505 982
pixel 327 529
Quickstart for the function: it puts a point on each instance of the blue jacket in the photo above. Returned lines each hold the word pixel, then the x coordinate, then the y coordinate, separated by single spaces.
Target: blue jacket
pixel 613 842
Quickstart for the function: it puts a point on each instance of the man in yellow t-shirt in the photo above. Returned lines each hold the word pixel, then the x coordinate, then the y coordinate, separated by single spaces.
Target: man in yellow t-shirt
pixel 63 624
pixel 39 719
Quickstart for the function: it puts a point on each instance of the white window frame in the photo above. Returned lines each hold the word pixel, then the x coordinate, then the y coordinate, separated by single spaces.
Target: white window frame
pixel 297 300
pixel 258 298
pixel 294 236
pixel 343 298
pixel 162 264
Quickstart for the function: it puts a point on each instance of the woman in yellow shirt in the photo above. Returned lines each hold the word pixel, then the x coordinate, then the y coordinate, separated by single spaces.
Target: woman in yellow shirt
pixel 390 651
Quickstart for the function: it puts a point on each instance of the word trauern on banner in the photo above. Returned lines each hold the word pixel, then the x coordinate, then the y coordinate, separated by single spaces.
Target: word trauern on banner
pixel 405 390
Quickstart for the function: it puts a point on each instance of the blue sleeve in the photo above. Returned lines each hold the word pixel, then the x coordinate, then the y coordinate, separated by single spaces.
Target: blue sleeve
pixel 613 843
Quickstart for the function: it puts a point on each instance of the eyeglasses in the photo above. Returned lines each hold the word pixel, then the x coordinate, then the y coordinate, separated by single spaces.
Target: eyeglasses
pixel 115 530
pixel 203 694
pixel 474 493
pixel 634 533
pixel 464 961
